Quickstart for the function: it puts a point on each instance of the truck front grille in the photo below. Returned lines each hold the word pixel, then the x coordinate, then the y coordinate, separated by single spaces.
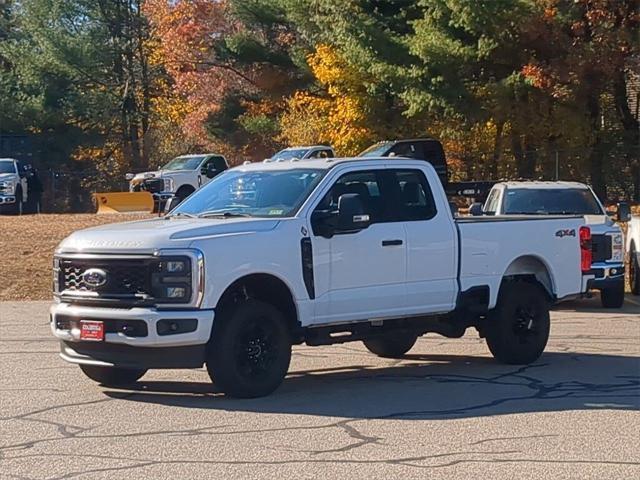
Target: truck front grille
pixel 124 278
pixel 600 248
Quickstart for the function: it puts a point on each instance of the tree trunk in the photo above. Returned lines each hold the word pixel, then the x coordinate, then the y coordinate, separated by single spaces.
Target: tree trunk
pixel 631 128
pixel 596 172
pixel 492 171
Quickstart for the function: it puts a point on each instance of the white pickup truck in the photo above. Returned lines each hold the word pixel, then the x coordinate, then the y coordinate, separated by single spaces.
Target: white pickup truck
pixel 319 252
pixel 569 198
pixel 13 186
pixel 180 177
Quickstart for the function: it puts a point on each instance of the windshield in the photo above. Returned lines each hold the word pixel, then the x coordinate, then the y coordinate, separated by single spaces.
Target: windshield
pixel 377 150
pixel 7 167
pixel 184 163
pixel 288 154
pixel 569 201
pixel 272 194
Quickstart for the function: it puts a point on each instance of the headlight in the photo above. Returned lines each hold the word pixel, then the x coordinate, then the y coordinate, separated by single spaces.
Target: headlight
pixel 56 275
pixel 617 247
pixel 8 187
pixel 168 184
pixel 171 281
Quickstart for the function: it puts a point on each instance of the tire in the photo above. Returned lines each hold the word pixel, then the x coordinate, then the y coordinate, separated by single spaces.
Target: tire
pixel 392 346
pixel 112 376
pixel 18 207
pixel 517 330
pixel 250 349
pixel 612 297
pixel 634 272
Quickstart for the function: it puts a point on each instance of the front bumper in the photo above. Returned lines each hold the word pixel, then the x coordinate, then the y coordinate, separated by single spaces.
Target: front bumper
pixel 5 199
pixel 140 337
pixel 609 276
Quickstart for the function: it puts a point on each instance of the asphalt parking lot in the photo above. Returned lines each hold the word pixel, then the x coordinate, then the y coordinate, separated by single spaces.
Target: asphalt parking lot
pixel 445 411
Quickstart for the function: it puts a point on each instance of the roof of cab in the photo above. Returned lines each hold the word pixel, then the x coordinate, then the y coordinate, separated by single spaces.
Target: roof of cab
pixel 544 185
pixel 318 164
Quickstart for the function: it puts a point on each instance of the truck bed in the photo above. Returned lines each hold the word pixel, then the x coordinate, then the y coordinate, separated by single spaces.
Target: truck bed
pixel 490 246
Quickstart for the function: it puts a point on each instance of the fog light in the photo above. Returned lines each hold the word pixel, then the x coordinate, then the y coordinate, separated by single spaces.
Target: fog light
pixel 613 271
pixel 176 292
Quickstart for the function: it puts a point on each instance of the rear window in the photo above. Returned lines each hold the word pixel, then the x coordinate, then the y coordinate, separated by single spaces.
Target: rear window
pixel 533 201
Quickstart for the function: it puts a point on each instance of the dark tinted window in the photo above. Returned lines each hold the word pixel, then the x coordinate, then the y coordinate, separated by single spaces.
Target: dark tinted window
pixel 218 162
pixel 367 184
pixel 408 150
pixel 415 200
pixel 387 195
pixel 550 201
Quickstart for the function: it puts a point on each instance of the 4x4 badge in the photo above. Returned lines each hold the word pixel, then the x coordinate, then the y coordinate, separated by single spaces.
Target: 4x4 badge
pixel 569 232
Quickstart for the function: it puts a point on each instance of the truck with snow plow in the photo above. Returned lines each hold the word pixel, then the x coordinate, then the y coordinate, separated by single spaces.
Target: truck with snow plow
pixel 164 188
pixel 269 255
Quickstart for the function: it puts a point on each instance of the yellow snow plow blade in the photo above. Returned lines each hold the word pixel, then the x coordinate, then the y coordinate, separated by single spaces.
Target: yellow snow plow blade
pixel 123 202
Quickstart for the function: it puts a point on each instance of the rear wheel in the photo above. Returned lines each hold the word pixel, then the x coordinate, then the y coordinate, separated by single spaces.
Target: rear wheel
pixel 250 349
pixel 517 329
pixel 392 346
pixel 612 297
pixel 112 376
pixel 634 272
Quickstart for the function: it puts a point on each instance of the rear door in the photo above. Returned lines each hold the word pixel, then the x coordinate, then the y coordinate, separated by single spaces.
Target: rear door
pixel 361 275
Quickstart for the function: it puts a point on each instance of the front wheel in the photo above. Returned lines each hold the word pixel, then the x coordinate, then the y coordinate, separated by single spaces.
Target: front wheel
pixel 391 346
pixel 112 376
pixel 250 349
pixel 612 297
pixel 517 330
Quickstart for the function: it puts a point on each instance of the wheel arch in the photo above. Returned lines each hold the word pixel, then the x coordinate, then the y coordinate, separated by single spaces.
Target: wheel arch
pixel 533 269
pixel 186 187
pixel 266 287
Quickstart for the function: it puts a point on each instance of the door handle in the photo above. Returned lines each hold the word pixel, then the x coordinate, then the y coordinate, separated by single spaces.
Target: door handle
pixel 391 243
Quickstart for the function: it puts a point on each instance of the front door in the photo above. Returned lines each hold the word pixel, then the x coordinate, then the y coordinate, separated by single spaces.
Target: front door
pixel 361 275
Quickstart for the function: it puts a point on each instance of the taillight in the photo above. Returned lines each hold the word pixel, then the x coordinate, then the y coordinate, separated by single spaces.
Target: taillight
pixel 585 249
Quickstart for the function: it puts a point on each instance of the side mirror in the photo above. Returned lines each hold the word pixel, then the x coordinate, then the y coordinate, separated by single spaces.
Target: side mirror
pixel 624 212
pixel 351 214
pixel 209 170
pixel 476 209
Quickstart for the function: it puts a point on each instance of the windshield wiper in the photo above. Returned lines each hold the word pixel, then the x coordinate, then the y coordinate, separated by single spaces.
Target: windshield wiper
pixel 222 214
pixel 180 214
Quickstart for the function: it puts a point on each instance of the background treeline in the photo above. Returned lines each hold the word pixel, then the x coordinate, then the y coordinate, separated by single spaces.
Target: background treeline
pixel 513 88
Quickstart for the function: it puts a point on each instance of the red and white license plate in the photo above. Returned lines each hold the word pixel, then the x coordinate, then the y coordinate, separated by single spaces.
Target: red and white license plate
pixel 91 330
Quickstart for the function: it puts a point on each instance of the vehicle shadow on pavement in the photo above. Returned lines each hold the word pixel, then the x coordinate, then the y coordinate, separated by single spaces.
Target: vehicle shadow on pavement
pixel 426 387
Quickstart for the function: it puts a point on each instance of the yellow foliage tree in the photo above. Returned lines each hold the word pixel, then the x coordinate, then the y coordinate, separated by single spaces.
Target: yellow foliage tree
pixel 341 116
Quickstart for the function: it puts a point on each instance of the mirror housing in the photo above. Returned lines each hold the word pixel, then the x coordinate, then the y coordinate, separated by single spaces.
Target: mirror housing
pixel 349 217
pixel 623 211
pixel 476 209
pixel 351 214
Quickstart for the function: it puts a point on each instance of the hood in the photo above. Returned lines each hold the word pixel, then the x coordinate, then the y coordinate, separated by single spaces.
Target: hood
pixel 158 174
pixel 8 177
pixel 149 235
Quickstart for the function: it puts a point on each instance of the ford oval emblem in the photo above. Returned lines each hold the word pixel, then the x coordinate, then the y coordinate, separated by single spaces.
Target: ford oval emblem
pixel 94 277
